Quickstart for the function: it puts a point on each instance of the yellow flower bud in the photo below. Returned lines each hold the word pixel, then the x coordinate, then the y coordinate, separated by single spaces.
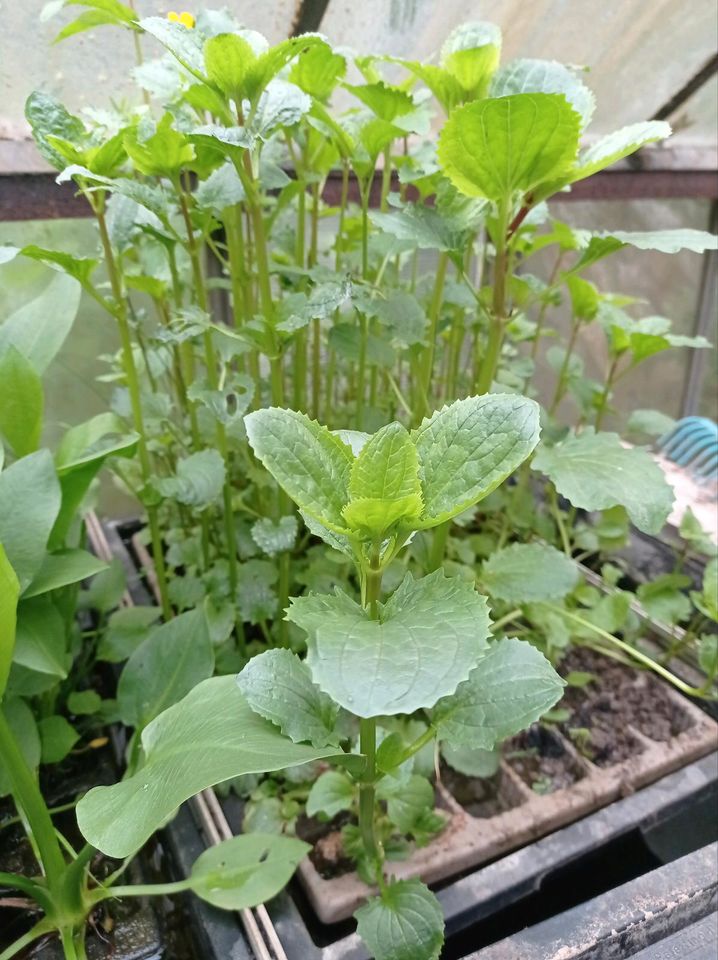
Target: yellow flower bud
pixel 186 19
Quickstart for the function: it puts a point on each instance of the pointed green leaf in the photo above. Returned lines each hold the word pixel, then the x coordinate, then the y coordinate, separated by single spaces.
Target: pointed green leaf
pixel 57 738
pixel 164 154
pixel 308 461
pixel 526 572
pixel 245 871
pixel 428 639
pixel 318 71
pixel 406 800
pixel 387 467
pixel 40 640
pixel 211 736
pixel 596 471
pixel 164 668
pixel 185 45
pixel 21 402
pixel 511 688
pixel 404 923
pixel 62 568
pixel 9 593
pixel 39 328
pixel 268 64
pixel 81 268
pixel 279 687
pixel 29 504
pixel 494 148
pixel 330 794
pixel 385 101
pixel 227 59
pixel 544 76
pixel 665 241
pixel 608 150
pixel 49 118
pixel 469 447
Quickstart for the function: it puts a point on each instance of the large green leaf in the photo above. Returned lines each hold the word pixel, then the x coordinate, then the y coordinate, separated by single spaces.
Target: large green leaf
pixel 318 71
pixel 22 725
pixel 330 794
pixel 544 76
pixel 665 241
pixel 185 45
pixel 494 148
pixel 165 153
pixel 617 145
pixel 404 923
pixel 310 463
pixel 279 687
pixel 21 402
pixel 40 640
pixel 29 504
pixel 63 568
pixel 9 593
pixel 428 639
pixel 49 118
pixel 227 58
pixel 244 871
pixel 39 328
pixel 513 685
pixel 468 448
pixel 164 668
pixel 526 572
pixel 211 736
pixel 596 471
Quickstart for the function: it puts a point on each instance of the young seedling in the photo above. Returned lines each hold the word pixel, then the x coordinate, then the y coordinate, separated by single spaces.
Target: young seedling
pixel 425 650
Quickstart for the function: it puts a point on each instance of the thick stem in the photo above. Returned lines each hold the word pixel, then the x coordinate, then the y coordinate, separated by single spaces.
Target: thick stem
pixel 438 546
pixel 31 806
pixel 133 387
pixel 497 321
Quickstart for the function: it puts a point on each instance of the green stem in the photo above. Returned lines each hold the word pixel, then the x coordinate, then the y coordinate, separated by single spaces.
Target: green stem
pixel 142 890
pixel 133 386
pixel 438 546
pixel 603 402
pixel 556 511
pixel 497 320
pixel 40 929
pixel 434 313
pixel 633 653
pixel 31 806
pixel 507 618
pixel 562 381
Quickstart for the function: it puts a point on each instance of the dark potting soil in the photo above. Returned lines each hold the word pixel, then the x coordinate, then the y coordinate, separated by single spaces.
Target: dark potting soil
pixel 619 698
pixel 482 798
pixel 541 760
pixel 327 854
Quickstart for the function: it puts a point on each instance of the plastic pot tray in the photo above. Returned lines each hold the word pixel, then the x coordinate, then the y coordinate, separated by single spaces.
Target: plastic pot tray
pixel 525 842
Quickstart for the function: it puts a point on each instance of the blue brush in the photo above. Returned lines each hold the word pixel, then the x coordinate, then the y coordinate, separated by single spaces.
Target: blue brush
pixel 693 443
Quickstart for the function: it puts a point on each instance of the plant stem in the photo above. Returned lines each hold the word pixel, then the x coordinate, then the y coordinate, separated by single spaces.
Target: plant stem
pixel 367 731
pixel 556 511
pixel 507 618
pixel 562 379
pixel 438 546
pixel 133 386
pixel 497 320
pixel 632 652
pixel 40 929
pixel 434 312
pixel 603 402
pixel 31 806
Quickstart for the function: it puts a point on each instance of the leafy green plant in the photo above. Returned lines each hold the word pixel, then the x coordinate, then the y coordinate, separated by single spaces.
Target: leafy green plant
pixel 423 649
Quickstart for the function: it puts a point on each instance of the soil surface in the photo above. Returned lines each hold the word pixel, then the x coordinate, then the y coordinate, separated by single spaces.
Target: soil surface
pixel 482 798
pixel 541 760
pixel 327 853
pixel 619 698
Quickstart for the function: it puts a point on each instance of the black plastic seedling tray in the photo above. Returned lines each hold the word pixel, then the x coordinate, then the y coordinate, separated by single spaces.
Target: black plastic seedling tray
pixel 625 840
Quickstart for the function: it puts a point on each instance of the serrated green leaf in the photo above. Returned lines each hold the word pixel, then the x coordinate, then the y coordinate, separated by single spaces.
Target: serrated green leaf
pixel 664 241
pixel 245 871
pixel 544 76
pixel 404 923
pixel 29 504
pixel 330 794
pixel 256 594
pixel 39 328
pixel 387 467
pixel 665 599
pixel 469 447
pixel 375 518
pixel 318 71
pixel 617 145
pixel 163 154
pixel 9 593
pixel 310 463
pixel 428 639
pixel 164 668
pixel 227 58
pixel 385 101
pixel 513 685
pixel 471 54
pixel 62 568
pixel 281 104
pixel 279 687
pixel 221 189
pixel 526 572
pixel 596 471
pixel 198 481
pixel 185 45
pixel 21 402
pixel 81 268
pixel 49 118
pixel 211 736
pixel 494 148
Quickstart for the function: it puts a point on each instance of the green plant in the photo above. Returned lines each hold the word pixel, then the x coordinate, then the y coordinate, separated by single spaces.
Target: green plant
pixel 424 650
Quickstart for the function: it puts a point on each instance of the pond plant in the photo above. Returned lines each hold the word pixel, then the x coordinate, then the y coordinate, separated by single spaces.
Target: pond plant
pixel 261 249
